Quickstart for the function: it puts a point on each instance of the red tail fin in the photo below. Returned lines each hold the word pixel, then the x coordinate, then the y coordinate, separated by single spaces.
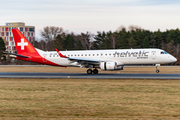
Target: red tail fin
pixel 25 50
pixel 23 46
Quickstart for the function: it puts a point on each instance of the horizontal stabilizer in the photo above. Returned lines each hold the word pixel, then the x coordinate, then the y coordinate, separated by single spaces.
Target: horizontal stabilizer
pixel 15 54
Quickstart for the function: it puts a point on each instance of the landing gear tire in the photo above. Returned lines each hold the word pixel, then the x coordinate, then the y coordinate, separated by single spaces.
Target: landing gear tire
pixel 89 71
pixel 95 71
pixel 157 71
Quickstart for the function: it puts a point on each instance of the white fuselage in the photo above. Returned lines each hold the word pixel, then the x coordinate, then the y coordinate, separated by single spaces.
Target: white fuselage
pixel 120 56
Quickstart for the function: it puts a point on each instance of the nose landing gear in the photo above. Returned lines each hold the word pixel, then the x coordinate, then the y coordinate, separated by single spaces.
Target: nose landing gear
pixel 90 71
pixel 157 66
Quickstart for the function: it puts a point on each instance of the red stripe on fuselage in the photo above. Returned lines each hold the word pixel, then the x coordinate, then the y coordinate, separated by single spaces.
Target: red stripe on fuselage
pixel 39 59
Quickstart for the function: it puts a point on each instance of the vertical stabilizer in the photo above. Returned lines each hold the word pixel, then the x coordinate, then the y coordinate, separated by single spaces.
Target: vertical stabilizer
pixel 23 46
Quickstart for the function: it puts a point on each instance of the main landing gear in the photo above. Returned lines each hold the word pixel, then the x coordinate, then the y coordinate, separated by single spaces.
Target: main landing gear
pixel 90 71
pixel 157 70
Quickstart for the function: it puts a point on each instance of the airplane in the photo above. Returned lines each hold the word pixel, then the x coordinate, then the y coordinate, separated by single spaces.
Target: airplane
pixel 106 60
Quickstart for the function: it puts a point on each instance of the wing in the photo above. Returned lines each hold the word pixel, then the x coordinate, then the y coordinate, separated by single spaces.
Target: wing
pixel 84 62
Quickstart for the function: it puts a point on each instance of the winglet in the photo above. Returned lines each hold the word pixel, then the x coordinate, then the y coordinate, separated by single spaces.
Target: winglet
pixel 61 55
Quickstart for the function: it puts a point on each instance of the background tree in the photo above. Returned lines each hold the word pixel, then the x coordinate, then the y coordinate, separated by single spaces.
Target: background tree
pixel 123 36
pixel 69 42
pixel 86 40
pixel 59 41
pixel 49 33
pixel 170 48
pixel 146 43
pixel 79 45
pixel 132 43
pixel 99 39
pixel 2 48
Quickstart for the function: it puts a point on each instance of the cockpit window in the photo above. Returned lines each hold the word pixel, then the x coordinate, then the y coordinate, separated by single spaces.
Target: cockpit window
pixel 164 52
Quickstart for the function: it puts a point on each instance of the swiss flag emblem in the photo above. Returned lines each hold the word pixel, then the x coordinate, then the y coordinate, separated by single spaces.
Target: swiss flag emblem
pixel 22 44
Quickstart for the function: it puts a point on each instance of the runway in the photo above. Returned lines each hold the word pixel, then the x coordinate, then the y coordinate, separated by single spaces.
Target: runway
pixel 86 76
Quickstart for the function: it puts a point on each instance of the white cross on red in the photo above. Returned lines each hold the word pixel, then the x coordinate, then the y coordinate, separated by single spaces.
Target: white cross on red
pixel 22 44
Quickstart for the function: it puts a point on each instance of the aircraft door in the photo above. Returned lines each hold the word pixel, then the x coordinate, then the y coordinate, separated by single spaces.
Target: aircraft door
pixel 44 57
pixel 153 55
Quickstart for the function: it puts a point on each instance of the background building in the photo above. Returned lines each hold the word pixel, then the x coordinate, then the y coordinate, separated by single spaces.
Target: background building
pixel 6 34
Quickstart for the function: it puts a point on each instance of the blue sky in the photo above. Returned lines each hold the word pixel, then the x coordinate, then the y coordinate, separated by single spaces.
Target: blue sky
pixel 92 15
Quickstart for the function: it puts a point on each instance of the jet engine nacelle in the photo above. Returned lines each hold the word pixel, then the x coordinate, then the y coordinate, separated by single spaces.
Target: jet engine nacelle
pixel 111 66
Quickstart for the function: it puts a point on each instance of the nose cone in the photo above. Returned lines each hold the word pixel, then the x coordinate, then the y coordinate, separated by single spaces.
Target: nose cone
pixel 173 59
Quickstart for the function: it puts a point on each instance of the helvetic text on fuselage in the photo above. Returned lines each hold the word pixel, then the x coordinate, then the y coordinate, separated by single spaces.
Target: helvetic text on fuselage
pixel 139 54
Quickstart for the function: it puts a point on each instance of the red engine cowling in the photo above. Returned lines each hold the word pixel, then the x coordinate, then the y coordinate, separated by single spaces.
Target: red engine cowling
pixel 111 66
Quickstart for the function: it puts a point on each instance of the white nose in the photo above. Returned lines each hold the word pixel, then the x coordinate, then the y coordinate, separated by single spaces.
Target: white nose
pixel 173 59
